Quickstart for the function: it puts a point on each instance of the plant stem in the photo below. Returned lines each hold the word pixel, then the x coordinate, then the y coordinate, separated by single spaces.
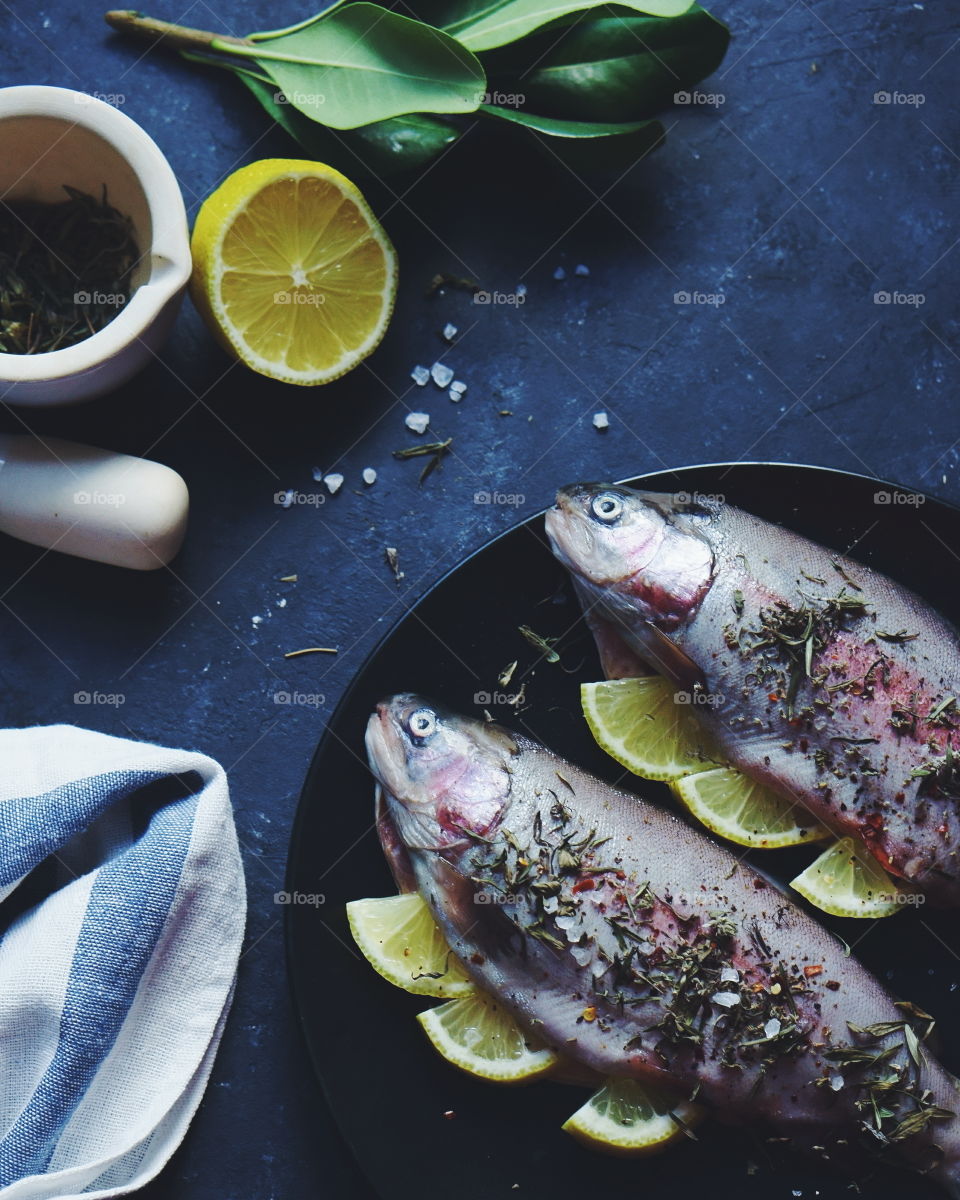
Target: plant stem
pixel 179 37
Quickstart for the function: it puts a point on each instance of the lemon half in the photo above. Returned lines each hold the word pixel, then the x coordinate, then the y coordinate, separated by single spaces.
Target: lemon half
pixel 292 270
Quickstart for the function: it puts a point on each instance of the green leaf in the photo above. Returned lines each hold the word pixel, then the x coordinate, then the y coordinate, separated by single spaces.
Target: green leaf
pixel 611 68
pixel 385 147
pixel 360 63
pixel 483 24
pixel 585 145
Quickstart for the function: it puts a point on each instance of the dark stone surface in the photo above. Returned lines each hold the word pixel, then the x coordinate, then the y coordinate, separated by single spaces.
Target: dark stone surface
pixel 796 200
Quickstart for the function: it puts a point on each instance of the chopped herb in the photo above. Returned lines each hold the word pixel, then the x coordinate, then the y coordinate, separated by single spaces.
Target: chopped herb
pixel 436 450
pixel 392 555
pixel 311 650
pixel 900 636
pixel 507 674
pixel 544 645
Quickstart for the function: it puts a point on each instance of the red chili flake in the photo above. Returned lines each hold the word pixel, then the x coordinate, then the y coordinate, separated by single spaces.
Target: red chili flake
pixel 620 874
pixel 759 883
pixel 833 985
pixel 584 885
pixel 942 829
pixel 900 796
pixel 813 969
pixel 804 745
pixel 773 696
pixel 449 1115
pixel 478 959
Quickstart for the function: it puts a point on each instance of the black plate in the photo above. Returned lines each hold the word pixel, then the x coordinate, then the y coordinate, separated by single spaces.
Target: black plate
pixel 388 1090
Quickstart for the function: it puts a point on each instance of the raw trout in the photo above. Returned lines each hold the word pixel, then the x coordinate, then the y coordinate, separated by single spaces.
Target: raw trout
pixel 636 947
pixel 828 682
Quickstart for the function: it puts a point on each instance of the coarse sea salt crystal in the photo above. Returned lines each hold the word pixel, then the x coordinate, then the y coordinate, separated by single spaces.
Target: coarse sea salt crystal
pixel 417 421
pixel 581 270
pixel 442 374
pixel 581 955
pixel 601 421
pixel 836 1083
pixel 729 975
pixel 449 332
pixel 420 376
pixel 725 999
pixel 772 1028
pixel 559 274
pixel 456 397
pixel 521 289
pixel 369 476
pixel 458 386
pixel 317 474
pixel 334 483
pixel 566 922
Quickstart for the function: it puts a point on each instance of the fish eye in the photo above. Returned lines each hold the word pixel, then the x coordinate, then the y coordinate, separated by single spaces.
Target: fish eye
pixel 421 725
pixel 607 507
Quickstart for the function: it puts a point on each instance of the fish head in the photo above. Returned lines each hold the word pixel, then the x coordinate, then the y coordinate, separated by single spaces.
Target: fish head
pixel 637 556
pixel 446 777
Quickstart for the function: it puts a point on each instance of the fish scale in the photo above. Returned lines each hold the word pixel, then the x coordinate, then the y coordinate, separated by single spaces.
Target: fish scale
pixel 609 928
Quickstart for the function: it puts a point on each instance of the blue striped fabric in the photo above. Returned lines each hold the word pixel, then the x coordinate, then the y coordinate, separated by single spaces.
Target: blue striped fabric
pixel 149 876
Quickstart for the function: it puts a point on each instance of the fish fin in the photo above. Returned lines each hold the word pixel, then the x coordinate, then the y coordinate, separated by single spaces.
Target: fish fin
pixel 666 657
pixel 395 852
pixel 617 658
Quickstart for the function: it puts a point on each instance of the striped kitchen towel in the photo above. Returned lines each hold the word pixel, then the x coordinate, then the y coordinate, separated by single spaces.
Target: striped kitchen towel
pixel 122 910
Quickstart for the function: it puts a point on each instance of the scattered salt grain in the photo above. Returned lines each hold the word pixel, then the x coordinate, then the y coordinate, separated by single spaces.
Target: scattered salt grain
pixel 725 999
pixel 601 421
pixel 559 274
pixel 729 975
pixel 456 397
pixel 255 621
pixel 449 332
pixel 417 421
pixel 836 1083
pixel 772 1028
pixel 334 483
pixel 282 602
pixel 369 476
pixel 581 270
pixel 420 376
pixel 442 374
pixel 521 289
pixel 458 386
pixel 581 955
pixel 317 474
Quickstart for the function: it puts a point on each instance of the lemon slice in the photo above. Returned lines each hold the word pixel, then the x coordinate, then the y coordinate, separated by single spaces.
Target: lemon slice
pixel 638 723
pixel 737 807
pixel 629 1118
pixel 292 270
pixel 846 881
pixel 400 939
pixel 481 1038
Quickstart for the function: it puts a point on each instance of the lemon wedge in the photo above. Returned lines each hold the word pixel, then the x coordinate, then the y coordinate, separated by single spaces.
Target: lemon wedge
pixel 400 939
pixel 480 1037
pixel 736 807
pixel 630 1118
pixel 846 881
